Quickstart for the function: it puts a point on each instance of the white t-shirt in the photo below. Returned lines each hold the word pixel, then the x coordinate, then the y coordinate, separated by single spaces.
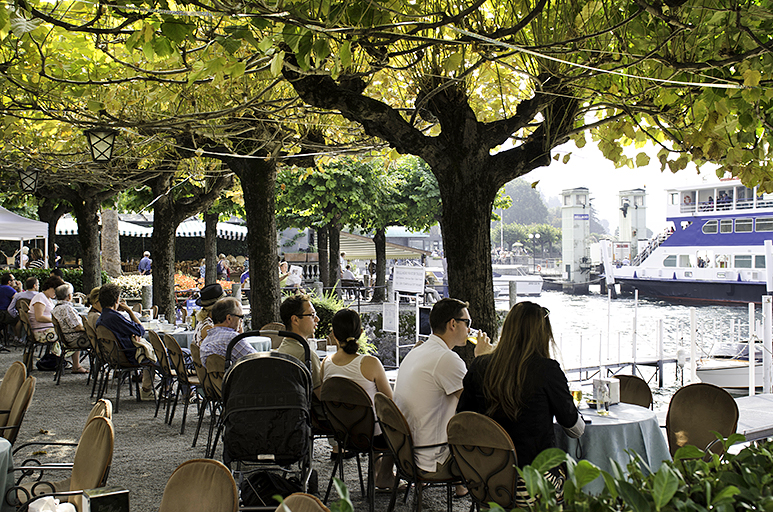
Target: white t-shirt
pixel 428 378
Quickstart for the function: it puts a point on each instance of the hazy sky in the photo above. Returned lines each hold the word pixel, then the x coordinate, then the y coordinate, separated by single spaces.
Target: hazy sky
pixel 588 168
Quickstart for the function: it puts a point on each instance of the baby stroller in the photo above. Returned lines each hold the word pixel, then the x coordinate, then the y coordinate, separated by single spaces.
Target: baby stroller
pixel 266 420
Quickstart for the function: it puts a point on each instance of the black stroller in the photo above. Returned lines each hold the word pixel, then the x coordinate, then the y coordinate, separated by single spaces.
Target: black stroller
pixel 266 420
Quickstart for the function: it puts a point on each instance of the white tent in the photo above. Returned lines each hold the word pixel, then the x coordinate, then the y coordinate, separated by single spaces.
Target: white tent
pixel 189 228
pixel 16 227
pixel 68 226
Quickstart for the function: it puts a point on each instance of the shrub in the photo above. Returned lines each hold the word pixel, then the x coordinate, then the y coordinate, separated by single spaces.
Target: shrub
pixel 71 275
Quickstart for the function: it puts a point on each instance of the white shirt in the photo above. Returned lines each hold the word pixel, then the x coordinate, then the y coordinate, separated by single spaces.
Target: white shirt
pixel 428 378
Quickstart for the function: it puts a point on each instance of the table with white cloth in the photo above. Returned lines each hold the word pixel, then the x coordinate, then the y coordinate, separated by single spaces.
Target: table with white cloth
pixel 184 338
pixel 259 343
pixel 6 478
pixel 606 439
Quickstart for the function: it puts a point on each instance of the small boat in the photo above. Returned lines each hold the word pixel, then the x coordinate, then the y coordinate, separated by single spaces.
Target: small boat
pixel 714 251
pixel 525 284
pixel 727 366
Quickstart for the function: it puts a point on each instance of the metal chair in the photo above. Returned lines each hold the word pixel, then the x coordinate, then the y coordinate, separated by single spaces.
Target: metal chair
pixel 214 388
pixel 117 361
pixel 82 344
pixel 350 411
pixel 205 390
pixel 200 484
pixel 276 340
pixel 302 502
pixel 23 307
pixel 635 390
pixel 400 441
pixel 18 410
pixel 486 457
pixel 695 411
pixel 12 382
pixel 167 376
pixel 97 363
pixel 186 383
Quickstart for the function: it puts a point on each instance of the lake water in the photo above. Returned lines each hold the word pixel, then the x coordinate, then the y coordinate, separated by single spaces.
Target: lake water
pixel 580 328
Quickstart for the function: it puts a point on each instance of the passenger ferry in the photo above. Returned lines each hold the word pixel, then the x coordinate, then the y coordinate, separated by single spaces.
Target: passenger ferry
pixel 714 250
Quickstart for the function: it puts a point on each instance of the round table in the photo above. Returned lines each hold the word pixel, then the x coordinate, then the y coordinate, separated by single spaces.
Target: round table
pixel 6 478
pixel 606 438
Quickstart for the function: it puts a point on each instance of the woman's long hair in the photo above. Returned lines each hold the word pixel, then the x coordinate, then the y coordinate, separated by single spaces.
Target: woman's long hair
pixel 526 334
pixel 347 329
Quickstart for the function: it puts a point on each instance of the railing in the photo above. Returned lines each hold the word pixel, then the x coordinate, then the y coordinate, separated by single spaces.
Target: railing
pixel 654 244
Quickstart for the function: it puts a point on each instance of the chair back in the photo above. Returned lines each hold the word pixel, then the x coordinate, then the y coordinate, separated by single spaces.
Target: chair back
pixel 176 359
pixel 694 411
pixel 12 381
pixel 276 340
pixel 162 359
pixel 19 409
pixel 486 458
pixel 634 390
pixel 200 484
pixel 301 502
pixel 398 435
pixel 137 307
pixel 201 371
pixel 103 408
pixel 23 307
pixel 154 311
pixel 93 457
pixel 350 411
pixel 60 336
pixel 91 334
pixel 215 373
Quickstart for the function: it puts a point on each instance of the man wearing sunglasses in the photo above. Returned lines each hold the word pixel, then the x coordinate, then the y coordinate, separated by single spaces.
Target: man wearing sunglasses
pixel 429 383
pixel 227 317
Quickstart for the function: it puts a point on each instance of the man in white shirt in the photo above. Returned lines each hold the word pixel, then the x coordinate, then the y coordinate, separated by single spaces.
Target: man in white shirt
pixel 430 382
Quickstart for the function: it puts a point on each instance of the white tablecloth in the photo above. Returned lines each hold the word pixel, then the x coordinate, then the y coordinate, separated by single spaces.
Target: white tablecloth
pixel 606 438
pixel 6 479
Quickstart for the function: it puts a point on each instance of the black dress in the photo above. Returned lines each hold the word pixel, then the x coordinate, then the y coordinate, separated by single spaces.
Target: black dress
pixel 546 395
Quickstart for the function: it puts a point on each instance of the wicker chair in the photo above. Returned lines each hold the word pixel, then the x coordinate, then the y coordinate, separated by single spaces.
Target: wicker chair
pixel 201 484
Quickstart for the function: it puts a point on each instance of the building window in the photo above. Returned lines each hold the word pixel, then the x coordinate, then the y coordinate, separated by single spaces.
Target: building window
pixel 638 200
pixel 710 227
pixel 726 226
pixel 567 200
pixel 743 225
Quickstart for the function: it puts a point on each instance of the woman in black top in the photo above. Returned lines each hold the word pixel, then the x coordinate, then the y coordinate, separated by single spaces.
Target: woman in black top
pixel 520 387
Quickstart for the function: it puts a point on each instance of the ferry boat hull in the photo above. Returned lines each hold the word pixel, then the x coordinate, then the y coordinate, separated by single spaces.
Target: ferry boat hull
pixel 706 292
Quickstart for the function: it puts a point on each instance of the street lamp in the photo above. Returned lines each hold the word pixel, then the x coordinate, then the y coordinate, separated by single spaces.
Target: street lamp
pixel 28 179
pixel 534 237
pixel 101 141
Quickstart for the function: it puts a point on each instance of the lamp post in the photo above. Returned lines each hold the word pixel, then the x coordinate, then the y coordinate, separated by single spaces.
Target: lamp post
pixel 28 179
pixel 101 141
pixel 534 237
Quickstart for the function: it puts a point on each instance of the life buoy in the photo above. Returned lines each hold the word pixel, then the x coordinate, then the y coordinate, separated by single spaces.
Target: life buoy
pixel 687 200
pixel 539 268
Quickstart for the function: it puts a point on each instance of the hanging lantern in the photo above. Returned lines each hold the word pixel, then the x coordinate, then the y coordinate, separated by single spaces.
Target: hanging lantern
pixel 28 179
pixel 101 141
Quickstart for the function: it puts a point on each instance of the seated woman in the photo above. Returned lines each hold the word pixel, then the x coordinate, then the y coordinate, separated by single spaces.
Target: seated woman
pixel 37 259
pixel 40 312
pixel 520 387
pixel 366 371
pixel 72 325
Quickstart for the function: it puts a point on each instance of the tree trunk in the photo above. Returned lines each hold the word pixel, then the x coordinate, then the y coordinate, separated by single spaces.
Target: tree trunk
pixel 51 214
pixel 324 257
pixel 88 236
pixel 379 290
pixel 210 247
pixel 467 246
pixel 162 243
pixel 258 179
pixel 334 249
pixel 111 246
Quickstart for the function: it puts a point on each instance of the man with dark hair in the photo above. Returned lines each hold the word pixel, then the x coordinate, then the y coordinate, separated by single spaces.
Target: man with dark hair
pixel 299 316
pixel 430 382
pixel 227 317
pixel 128 332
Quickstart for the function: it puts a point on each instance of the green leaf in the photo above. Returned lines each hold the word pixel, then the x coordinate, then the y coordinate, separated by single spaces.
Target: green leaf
pixel 727 492
pixel 548 459
pixel 664 487
pixel 291 35
pixel 533 479
pixel 321 49
pixel 453 61
pixel 633 497
pixel 346 54
pixel 95 106
pixel 642 159
pixel 276 63
pixel 609 481
pixel 176 31
pixel 585 472
pixel 266 43
pixel 688 452
pixel 236 70
pixel 751 78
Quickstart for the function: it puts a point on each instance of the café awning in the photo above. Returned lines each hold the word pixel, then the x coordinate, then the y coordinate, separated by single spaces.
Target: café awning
pixel 358 247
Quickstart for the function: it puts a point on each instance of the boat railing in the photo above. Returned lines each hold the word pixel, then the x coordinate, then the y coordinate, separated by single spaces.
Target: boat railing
pixel 654 244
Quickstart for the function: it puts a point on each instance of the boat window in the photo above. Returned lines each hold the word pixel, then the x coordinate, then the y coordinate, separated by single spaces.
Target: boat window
pixel 670 261
pixel 688 274
pixel 638 200
pixel 726 226
pixel 743 225
pixel 674 198
pixel 684 260
pixel 759 261
pixel 743 261
pixel 764 224
pixel 710 227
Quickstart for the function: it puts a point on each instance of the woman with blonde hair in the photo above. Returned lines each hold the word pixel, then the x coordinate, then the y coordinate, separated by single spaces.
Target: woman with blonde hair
pixel 520 387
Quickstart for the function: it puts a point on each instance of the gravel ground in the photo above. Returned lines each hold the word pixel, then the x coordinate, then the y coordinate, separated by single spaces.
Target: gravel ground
pixel 146 449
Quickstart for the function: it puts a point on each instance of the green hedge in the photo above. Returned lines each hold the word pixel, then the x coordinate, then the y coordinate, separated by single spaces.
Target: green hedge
pixel 73 276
